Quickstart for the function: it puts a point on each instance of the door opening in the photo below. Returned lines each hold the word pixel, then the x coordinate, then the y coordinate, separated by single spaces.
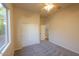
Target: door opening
pixel 43 29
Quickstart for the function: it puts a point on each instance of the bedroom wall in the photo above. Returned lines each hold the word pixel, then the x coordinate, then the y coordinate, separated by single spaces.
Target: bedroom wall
pixel 64 28
pixel 27 27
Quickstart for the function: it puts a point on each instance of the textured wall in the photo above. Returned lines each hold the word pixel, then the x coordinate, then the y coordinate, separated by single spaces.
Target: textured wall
pixel 64 28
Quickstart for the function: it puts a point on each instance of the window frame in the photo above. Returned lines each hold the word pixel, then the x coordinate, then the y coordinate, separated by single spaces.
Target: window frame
pixel 7 30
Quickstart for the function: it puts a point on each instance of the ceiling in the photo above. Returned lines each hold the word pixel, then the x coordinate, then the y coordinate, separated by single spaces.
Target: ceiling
pixel 38 7
pixel 29 6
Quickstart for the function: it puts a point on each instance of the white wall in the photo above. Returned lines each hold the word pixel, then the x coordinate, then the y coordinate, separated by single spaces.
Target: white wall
pixel 27 28
pixel 64 28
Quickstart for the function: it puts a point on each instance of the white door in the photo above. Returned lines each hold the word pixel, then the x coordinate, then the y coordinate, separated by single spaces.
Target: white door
pixel 30 34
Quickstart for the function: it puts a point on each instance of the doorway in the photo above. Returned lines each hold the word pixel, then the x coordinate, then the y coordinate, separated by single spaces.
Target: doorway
pixel 43 29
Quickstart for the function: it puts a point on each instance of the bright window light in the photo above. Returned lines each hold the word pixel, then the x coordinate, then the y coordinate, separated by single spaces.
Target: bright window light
pixel 1 5
pixel 3 28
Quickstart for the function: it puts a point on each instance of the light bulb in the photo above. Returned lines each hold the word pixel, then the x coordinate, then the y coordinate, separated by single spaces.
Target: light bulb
pixel 48 7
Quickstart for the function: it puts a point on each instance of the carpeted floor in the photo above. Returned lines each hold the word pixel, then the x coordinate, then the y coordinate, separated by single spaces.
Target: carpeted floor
pixel 45 48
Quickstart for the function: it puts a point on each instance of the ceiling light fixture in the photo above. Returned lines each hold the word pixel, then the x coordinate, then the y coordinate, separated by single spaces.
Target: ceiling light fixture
pixel 48 6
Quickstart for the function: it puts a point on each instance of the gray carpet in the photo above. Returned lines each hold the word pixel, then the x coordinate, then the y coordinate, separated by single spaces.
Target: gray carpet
pixel 45 48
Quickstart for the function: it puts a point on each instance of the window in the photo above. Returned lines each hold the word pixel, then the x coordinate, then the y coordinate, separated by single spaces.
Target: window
pixel 3 27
